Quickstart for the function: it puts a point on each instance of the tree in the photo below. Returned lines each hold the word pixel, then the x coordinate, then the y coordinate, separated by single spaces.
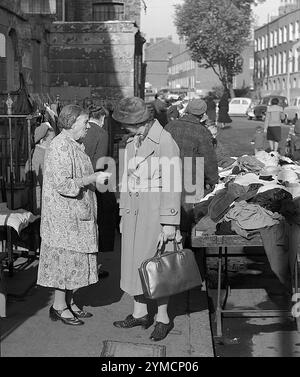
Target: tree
pixel 216 32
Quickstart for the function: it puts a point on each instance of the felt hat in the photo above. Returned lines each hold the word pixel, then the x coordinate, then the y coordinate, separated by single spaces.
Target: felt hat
pixel 132 110
pixel 288 176
pixel 196 107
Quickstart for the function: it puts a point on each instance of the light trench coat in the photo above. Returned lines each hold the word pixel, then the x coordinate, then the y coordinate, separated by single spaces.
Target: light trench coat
pixel 69 210
pixel 149 199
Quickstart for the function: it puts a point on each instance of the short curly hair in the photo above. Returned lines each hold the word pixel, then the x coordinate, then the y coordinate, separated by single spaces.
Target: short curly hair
pixel 68 116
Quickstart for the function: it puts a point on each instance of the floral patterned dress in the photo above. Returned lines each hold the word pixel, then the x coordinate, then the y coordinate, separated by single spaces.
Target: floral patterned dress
pixel 68 257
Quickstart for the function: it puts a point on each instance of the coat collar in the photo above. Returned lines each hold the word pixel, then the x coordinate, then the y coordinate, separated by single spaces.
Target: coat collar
pixel 190 118
pixel 154 133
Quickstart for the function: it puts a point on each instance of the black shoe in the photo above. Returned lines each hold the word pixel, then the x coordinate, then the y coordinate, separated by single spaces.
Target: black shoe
pixel 80 313
pixel 130 322
pixel 55 315
pixel 161 331
pixel 103 274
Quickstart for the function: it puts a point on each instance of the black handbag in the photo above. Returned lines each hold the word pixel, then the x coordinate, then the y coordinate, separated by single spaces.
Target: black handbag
pixel 169 273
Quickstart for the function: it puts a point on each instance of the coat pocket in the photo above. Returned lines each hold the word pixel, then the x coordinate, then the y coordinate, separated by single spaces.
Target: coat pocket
pixel 84 211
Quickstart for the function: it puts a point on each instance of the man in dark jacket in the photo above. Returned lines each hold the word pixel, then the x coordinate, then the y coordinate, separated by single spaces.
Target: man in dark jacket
pixel 96 147
pixel 194 140
pixel 160 108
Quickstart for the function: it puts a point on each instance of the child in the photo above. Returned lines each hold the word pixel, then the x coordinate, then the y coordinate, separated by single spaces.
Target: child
pixel 259 139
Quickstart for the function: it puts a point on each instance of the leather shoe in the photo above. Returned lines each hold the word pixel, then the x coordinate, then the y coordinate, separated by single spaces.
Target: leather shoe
pixel 56 315
pixel 81 313
pixel 130 322
pixel 161 331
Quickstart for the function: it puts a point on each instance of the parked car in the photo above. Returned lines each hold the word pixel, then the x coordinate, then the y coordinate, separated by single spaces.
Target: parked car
pixel 261 109
pixel 239 106
pixel 250 112
pixel 292 111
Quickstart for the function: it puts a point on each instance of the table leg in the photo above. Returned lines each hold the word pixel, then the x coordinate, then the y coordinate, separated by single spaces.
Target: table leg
pixel 219 307
pixel 226 279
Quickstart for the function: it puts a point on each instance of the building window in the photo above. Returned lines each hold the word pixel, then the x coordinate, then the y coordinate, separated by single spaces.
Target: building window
pixel 2 46
pixel 280 36
pixel 271 39
pixel 280 63
pixel 38 6
pixel 284 57
pixel 275 38
pixel 263 43
pixel 291 61
pixel 291 31
pixel 108 11
pixel 271 66
pixel 295 83
pixel 285 32
pixel 275 64
pixel 297 30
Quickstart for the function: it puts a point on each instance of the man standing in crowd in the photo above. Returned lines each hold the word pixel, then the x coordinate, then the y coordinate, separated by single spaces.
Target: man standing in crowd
pixel 96 147
pixel 161 108
pixel 194 140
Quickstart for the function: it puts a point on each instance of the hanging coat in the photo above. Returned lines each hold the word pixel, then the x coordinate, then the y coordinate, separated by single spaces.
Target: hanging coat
pixel 146 202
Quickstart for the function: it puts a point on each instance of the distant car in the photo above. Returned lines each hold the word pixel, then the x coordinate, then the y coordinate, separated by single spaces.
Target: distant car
pixel 250 112
pixel 260 110
pixel 292 111
pixel 239 106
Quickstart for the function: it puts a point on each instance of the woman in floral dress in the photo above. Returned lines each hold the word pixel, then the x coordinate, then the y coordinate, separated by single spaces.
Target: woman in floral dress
pixel 68 257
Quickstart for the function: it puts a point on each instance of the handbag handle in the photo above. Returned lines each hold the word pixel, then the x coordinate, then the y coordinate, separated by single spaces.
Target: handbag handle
pixel 161 250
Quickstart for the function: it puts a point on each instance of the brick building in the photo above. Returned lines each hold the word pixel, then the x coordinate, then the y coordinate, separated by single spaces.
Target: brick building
pixel 277 68
pixel 158 52
pixel 186 73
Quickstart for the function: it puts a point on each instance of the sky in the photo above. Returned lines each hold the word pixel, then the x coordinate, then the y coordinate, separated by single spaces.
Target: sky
pixel 158 20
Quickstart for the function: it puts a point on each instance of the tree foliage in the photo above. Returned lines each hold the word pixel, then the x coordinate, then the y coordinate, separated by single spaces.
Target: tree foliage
pixel 216 32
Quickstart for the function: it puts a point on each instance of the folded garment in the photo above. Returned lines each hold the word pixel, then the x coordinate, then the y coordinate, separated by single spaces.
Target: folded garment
pixel 224 229
pixel 252 216
pixel 201 209
pixel 248 179
pixel 268 159
pixel 250 164
pixel 226 162
pixel 272 200
pixel 207 226
pixel 290 209
pixel 248 234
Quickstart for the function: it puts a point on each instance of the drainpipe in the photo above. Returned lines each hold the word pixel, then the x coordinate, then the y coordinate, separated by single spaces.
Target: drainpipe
pixel 63 4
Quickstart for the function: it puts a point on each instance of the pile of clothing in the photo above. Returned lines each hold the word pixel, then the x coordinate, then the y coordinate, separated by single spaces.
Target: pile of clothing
pixel 257 195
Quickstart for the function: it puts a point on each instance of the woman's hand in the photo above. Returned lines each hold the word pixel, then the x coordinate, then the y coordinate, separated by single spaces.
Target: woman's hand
pixel 98 177
pixel 168 234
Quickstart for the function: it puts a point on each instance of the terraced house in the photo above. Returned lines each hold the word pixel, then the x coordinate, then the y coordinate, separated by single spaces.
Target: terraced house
pixel 277 56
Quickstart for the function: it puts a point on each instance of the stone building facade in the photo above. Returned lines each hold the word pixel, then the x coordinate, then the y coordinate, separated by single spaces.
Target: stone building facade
pixel 72 48
pixel 96 50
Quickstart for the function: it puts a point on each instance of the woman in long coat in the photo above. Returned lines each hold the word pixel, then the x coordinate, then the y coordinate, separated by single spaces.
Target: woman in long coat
pixel 68 257
pixel 149 206
pixel 223 116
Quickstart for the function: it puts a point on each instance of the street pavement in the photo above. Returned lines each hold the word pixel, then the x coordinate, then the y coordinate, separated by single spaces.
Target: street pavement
pixel 28 332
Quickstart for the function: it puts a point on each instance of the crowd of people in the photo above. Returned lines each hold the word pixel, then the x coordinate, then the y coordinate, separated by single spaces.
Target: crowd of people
pixel 77 220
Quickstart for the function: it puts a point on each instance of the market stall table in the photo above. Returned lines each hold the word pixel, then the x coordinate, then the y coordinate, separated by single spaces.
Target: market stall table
pixel 223 242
